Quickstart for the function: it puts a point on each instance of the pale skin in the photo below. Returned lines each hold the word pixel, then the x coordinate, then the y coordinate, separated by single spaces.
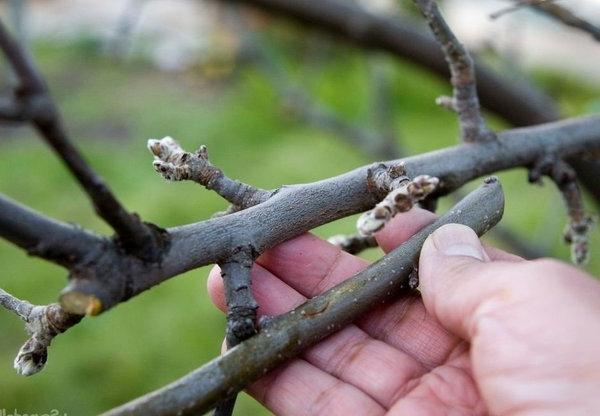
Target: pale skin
pixel 491 333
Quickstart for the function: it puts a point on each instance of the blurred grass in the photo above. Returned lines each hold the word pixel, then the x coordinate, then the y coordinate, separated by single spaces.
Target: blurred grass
pixel 111 110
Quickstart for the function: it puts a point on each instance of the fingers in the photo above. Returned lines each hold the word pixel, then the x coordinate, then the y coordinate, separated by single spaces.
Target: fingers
pixel 299 388
pixel 532 326
pixel 456 276
pixel 350 355
pixel 310 265
pixel 460 282
pixel 402 227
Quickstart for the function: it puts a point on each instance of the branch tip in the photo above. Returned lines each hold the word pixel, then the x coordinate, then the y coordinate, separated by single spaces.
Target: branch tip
pixel 173 163
pixel 43 324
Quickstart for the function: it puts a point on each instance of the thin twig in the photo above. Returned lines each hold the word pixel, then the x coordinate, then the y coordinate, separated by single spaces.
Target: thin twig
pixel 519 4
pixel 296 102
pixel 465 100
pixel 175 164
pixel 580 223
pixel 285 336
pixel 42 323
pixel 36 102
pixel 241 309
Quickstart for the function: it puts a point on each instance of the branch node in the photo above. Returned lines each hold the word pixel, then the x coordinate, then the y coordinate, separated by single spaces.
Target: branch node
pixel 42 323
pixel 403 193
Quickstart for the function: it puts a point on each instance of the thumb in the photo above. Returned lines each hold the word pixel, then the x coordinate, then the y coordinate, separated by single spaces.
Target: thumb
pixel 457 276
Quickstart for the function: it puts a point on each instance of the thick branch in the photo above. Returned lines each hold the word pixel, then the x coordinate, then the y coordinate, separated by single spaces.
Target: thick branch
pixel 35 101
pixel 285 336
pixel 298 208
pixel 175 164
pixel 465 100
pixel 516 102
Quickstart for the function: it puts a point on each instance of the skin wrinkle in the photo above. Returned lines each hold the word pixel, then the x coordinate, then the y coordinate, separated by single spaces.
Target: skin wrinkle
pixel 265 397
pixel 321 284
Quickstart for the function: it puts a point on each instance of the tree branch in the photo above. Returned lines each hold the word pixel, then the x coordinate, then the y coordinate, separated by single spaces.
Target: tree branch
pixel 42 323
pixel 36 104
pixel 555 11
pixel 40 236
pixel 296 102
pixel 513 100
pixel 175 164
pixel 295 209
pixel 517 102
pixel 567 17
pixel 241 309
pixel 285 336
pixel 580 223
pixel 465 101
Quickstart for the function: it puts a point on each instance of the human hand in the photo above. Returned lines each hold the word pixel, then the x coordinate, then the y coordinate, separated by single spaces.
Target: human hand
pixel 492 333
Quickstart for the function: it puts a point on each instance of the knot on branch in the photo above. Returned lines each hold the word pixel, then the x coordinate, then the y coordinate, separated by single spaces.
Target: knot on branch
pixel 403 195
pixel 241 323
pixel 580 222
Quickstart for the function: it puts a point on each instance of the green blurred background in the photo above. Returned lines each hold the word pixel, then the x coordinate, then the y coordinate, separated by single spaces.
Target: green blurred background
pixel 112 107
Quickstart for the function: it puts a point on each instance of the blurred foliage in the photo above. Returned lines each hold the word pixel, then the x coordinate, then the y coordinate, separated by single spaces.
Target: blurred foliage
pixel 111 109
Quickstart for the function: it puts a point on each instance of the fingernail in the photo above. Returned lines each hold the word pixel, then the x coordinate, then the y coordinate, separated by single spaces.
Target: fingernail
pixel 458 240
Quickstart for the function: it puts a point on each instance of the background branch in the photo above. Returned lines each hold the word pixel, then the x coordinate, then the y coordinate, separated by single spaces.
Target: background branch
pixel 515 101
